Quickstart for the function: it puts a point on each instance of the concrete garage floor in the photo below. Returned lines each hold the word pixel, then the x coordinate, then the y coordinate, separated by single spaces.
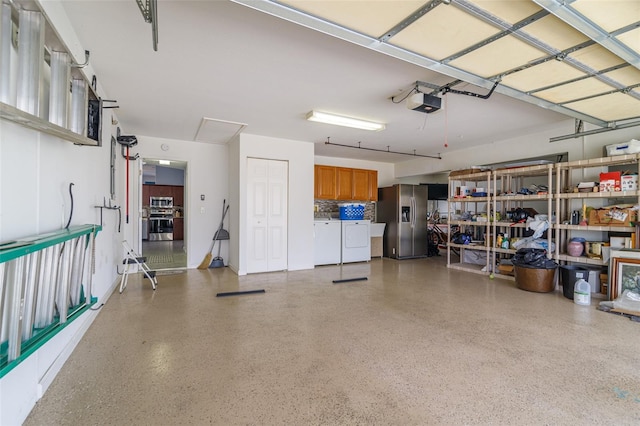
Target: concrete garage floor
pixel 416 344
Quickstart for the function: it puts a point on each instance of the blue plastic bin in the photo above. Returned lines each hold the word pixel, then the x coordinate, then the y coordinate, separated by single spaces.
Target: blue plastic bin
pixel 351 211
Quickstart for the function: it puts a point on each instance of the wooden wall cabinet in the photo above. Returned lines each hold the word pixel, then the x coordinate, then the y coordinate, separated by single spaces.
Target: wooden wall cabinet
pixel 344 188
pixel 325 182
pixel 343 183
pixel 175 191
pixel 360 187
pixel 373 185
pixel 178 195
pixel 146 195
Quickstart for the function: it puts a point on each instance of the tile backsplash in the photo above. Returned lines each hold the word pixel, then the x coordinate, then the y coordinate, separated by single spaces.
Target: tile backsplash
pixel 329 209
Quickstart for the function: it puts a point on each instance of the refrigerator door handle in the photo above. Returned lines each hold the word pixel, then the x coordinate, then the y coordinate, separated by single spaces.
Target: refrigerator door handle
pixel 413 212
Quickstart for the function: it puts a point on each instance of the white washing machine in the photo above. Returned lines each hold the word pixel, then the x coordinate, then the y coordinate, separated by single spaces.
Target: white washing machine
pixel 356 241
pixel 327 235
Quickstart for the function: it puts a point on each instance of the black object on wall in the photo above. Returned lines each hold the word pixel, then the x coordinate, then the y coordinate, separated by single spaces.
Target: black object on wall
pixel 436 191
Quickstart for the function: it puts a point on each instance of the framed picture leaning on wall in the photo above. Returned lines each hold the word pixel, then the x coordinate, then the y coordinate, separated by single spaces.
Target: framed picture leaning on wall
pixel 624 272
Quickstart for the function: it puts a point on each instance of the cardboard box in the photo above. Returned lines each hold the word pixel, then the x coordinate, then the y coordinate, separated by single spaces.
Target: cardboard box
pixel 629 182
pixel 505 269
pixel 612 216
pixel 462 172
pixel 610 181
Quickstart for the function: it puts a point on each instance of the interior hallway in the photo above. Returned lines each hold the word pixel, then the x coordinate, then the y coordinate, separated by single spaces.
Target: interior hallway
pixel 414 344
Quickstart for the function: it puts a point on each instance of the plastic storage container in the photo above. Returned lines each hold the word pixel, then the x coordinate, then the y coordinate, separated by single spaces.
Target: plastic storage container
pixel 631 147
pixel 351 211
pixel 569 275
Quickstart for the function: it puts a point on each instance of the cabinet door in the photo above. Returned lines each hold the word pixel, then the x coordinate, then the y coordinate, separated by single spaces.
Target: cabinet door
pixel 160 191
pixel 178 229
pixel 178 196
pixel 373 185
pixel 146 194
pixel 325 183
pixel 345 183
pixel 360 185
pixel 167 191
pixel 153 191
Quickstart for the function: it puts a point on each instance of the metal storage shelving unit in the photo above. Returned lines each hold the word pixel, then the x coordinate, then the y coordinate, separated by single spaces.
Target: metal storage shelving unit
pixel 567 200
pixel 473 205
pixel 510 181
pixel 558 203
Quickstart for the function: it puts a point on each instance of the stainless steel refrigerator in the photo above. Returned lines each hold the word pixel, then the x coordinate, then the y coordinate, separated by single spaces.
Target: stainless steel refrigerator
pixel 404 209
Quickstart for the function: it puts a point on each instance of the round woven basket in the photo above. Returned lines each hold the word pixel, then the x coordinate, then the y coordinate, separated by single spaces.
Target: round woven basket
pixel 535 279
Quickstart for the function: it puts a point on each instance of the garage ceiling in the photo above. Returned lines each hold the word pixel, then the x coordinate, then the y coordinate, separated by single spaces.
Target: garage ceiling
pixel 578 57
pixel 259 67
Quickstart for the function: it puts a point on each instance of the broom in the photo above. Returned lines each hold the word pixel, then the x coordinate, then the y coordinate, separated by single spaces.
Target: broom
pixel 209 256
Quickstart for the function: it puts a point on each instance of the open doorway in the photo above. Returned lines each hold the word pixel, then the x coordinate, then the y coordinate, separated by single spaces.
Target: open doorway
pixel 163 213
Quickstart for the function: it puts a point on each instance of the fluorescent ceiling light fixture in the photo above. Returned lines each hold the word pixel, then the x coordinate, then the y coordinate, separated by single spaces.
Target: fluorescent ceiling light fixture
pixel 340 120
pixel 164 162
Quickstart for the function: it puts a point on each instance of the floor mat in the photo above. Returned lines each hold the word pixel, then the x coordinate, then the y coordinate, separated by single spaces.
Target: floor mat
pixel 162 258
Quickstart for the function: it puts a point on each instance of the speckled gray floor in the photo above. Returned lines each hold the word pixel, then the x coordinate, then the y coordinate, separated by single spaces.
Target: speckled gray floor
pixel 415 344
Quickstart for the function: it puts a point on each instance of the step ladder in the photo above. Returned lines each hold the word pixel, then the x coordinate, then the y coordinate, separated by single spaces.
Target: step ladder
pixel 131 259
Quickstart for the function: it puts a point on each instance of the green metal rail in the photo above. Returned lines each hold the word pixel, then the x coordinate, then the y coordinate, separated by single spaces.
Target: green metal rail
pixel 45 283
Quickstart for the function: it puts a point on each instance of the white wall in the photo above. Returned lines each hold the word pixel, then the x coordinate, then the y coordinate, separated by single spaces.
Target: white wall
pixel 207 174
pixel 35 172
pixel 235 249
pixel 386 171
pixel 300 233
pixel 527 146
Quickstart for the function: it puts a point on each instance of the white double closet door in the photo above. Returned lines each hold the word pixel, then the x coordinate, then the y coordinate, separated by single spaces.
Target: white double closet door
pixel 267 203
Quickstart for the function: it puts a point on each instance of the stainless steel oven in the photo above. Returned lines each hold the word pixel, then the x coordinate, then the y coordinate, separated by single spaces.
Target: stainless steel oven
pixel 161 224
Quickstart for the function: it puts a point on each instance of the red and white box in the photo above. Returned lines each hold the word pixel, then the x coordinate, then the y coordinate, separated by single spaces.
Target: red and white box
pixel 629 182
pixel 610 181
